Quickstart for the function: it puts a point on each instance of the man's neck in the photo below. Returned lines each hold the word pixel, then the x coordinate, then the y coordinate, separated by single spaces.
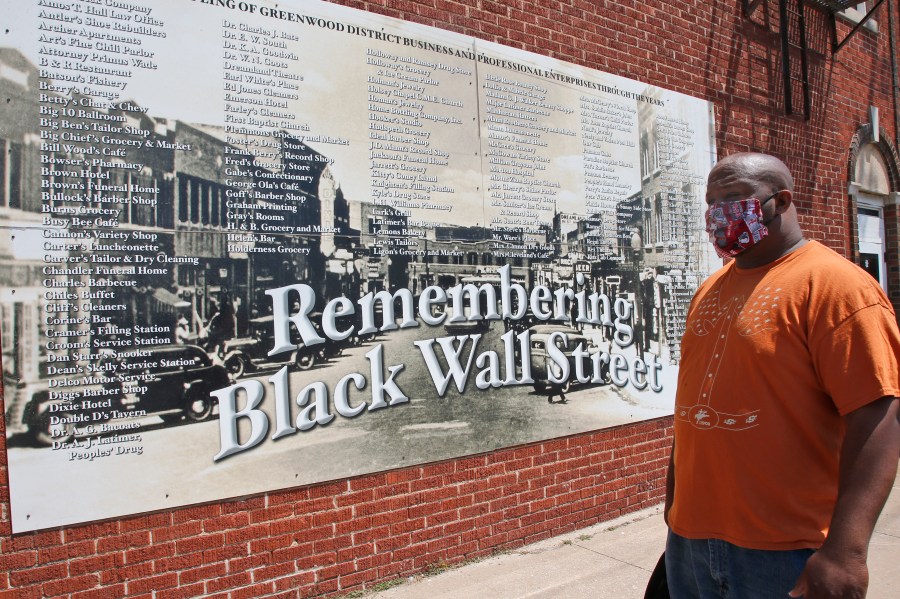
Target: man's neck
pixel 757 259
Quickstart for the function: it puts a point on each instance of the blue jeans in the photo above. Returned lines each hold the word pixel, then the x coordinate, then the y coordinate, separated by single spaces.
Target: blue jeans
pixel 714 569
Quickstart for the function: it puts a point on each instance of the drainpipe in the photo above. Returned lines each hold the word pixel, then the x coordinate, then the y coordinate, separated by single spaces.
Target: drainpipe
pixel 894 77
pixel 892 288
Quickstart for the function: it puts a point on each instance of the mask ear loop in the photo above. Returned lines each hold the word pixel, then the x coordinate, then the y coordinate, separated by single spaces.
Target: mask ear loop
pixel 766 223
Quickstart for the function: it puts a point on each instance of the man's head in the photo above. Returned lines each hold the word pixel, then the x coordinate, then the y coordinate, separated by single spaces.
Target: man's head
pixel 759 170
pixel 750 175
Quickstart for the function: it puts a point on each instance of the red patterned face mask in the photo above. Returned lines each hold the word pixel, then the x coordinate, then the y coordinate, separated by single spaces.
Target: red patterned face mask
pixel 735 227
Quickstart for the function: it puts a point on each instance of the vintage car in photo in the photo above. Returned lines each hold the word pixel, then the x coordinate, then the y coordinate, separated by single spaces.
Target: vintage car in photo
pixel 467 327
pixel 173 382
pixel 251 353
pixel 566 339
pixel 471 325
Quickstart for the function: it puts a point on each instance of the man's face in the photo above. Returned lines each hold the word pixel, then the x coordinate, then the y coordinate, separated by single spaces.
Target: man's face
pixel 734 217
pixel 724 186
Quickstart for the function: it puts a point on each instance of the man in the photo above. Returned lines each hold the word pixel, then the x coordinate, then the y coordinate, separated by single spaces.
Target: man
pixel 786 416
pixel 182 330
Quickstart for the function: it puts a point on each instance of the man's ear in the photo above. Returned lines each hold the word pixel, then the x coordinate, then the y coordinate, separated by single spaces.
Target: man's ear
pixel 783 201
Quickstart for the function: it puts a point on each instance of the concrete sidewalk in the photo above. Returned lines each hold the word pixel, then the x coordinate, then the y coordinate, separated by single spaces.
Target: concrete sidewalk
pixel 611 560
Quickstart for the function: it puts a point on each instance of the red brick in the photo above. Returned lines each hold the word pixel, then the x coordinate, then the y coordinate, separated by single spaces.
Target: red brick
pixel 401 476
pixel 178 531
pixel 57 553
pixel 175 563
pixel 203 512
pixel 354 553
pixel 374 561
pixel 146 522
pixel 199 543
pixel 198 574
pixel 82 533
pixel 151 584
pixel 36 575
pixel 71 584
pixel 273 571
pixel 287 497
pixel 247 533
pixel 254 591
pixel 17 561
pixel 407 525
pixel 333 572
pixel 233 581
pixel 150 553
pixel 97 563
pixel 393 542
pixel 292 552
pixel 126 573
pixel 329 490
pixel 276 512
pixel 372 535
pixel 228 522
pixel 106 592
pixel 251 562
pixel 301 580
pixel 288 525
pixel 182 592
pixel 130 540
pixel 389 518
pixel 395 568
pixel 356 580
pixel 312 506
pixel 334 543
pixel 368 482
pixel 243 505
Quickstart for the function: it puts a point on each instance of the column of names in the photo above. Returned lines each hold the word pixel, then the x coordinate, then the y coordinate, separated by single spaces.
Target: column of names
pixel 95 184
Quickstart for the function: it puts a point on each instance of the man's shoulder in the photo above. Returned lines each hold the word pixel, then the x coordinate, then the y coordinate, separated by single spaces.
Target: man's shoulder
pixel 816 250
pixel 822 262
pixel 838 285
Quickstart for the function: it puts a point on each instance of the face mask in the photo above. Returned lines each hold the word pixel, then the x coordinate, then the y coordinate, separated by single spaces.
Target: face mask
pixel 735 227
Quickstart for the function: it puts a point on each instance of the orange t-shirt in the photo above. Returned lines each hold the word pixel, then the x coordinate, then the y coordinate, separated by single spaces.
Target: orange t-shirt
pixel 773 357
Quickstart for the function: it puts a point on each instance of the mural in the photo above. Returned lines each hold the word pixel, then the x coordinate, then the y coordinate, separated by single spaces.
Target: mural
pixel 247 246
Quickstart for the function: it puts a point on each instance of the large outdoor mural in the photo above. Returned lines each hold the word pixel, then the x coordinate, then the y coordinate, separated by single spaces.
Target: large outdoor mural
pixel 246 246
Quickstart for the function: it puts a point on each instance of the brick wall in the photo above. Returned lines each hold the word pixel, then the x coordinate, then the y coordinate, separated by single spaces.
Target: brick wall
pixel 332 538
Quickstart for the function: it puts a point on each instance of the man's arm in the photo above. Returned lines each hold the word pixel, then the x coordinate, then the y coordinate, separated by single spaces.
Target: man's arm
pixel 867 472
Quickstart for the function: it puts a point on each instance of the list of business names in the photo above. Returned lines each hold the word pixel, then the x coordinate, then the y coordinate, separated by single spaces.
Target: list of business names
pixel 408 99
pixel 95 187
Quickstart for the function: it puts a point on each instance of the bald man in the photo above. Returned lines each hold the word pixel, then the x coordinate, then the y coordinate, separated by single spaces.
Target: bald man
pixel 786 416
